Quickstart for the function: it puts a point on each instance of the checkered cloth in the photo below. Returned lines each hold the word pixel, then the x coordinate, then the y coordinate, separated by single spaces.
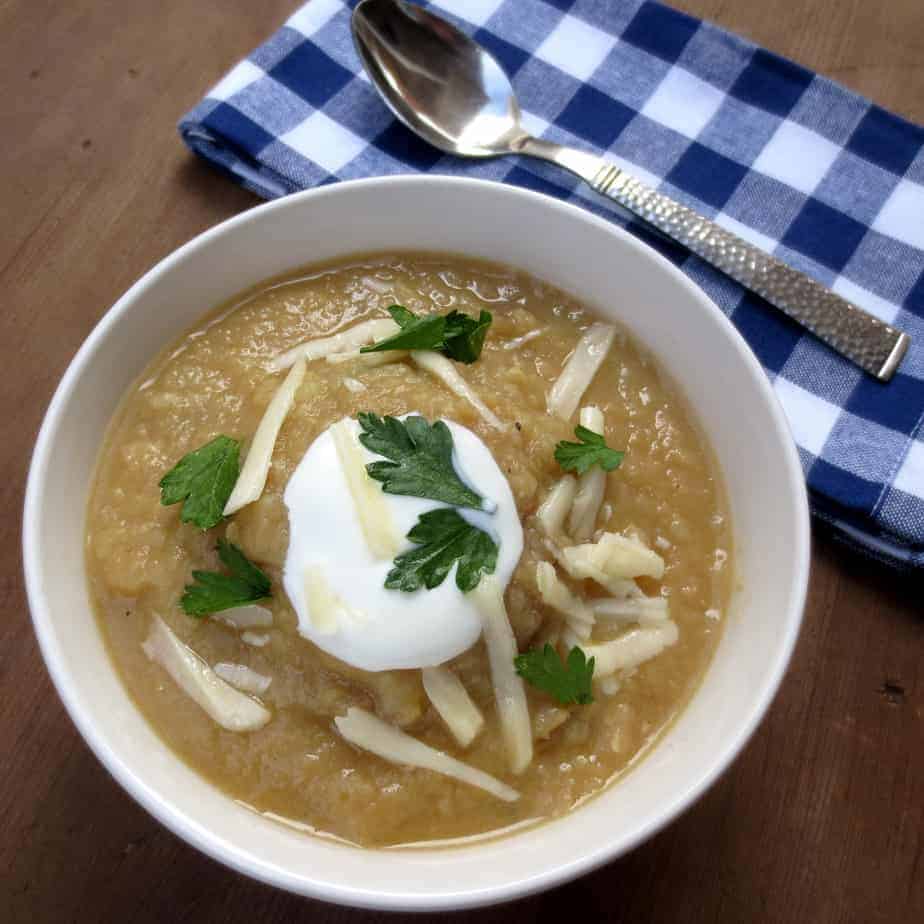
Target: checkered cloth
pixel 790 161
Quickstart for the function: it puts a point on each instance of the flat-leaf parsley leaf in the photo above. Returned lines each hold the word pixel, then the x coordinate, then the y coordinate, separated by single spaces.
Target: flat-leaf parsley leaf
pixel 443 537
pixel 420 459
pixel 465 335
pixel 426 333
pixel 590 451
pixel 203 480
pixel 214 591
pixel 456 335
pixel 568 682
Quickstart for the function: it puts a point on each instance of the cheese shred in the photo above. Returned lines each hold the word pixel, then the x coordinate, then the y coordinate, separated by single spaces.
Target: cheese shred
pixel 441 367
pixel 369 502
pixel 323 604
pixel 343 342
pixel 367 360
pixel 580 370
pixel 509 692
pixel 591 485
pixel 451 700
pixel 553 510
pixel 370 733
pixel 252 479
pixel 227 706
pixel 631 649
pixel 242 677
pixel 555 593
pixel 612 560
pixel 249 616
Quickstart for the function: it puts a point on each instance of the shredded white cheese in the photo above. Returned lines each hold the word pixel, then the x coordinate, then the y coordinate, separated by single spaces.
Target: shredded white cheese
pixel 326 607
pixel 591 485
pixel 353 385
pixel 369 501
pixel 640 609
pixel 553 510
pixel 252 479
pixel 230 708
pixel 517 342
pixel 611 560
pixel 578 615
pixel 243 677
pixel 323 605
pixel 631 649
pixel 444 369
pixel 369 360
pixel 580 566
pixel 452 702
pixel 370 733
pixel 251 616
pixel 379 286
pixel 509 692
pixel 580 369
pixel 547 720
pixel 256 639
pixel 350 339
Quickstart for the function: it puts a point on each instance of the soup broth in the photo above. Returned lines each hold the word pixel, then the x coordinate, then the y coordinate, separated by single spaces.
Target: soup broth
pixel 666 495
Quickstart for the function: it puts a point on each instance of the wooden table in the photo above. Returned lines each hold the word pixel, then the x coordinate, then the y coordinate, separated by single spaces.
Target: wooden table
pixel 821 819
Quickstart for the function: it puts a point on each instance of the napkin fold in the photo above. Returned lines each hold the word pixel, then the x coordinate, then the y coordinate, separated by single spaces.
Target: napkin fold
pixel 829 182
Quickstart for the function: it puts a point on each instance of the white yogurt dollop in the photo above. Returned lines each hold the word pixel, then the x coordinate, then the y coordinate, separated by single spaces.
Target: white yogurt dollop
pixel 383 629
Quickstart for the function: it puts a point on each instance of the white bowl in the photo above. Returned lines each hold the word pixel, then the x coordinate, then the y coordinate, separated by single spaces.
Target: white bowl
pixel 622 279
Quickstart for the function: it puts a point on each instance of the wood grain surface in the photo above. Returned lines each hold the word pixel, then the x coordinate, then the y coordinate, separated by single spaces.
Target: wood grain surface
pixel 820 820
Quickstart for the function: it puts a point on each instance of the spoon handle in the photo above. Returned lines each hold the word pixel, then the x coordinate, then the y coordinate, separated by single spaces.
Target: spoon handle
pixel 876 347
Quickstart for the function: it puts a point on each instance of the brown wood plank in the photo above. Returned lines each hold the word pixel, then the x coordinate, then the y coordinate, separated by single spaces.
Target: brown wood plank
pixel 820 819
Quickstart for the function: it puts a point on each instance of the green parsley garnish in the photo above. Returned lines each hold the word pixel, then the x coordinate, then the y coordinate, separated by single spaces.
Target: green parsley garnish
pixel 420 457
pixel 426 333
pixel 457 335
pixel 443 538
pixel 214 591
pixel 465 335
pixel 203 480
pixel 592 450
pixel 568 682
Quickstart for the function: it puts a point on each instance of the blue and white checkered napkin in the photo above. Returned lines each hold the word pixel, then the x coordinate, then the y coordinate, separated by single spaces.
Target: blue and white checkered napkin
pixel 791 161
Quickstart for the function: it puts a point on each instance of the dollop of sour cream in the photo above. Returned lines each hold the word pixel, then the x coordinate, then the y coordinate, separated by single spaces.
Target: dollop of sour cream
pixel 378 629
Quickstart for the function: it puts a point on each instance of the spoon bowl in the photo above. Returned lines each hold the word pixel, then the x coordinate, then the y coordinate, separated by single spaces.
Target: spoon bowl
pixel 436 80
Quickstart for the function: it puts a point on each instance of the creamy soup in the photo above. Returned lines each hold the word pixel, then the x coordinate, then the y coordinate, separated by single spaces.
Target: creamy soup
pixel 311 674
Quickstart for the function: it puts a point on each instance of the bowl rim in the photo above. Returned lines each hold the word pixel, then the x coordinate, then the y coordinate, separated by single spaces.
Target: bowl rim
pixel 203 839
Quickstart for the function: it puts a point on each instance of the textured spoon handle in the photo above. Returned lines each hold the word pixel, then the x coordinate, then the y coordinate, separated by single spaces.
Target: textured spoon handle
pixel 873 345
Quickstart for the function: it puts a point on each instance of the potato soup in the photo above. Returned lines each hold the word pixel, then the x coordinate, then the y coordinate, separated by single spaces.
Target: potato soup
pixel 408 548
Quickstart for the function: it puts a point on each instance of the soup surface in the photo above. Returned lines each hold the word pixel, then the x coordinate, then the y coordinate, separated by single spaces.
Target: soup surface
pixel 216 380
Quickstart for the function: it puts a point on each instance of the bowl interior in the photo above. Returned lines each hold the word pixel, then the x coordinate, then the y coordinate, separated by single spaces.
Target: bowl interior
pixel 621 279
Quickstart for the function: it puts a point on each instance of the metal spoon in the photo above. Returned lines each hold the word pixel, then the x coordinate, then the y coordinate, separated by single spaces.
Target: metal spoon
pixel 452 93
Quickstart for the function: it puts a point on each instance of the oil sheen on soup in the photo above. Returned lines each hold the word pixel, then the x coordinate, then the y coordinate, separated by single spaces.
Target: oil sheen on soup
pixel 430 590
